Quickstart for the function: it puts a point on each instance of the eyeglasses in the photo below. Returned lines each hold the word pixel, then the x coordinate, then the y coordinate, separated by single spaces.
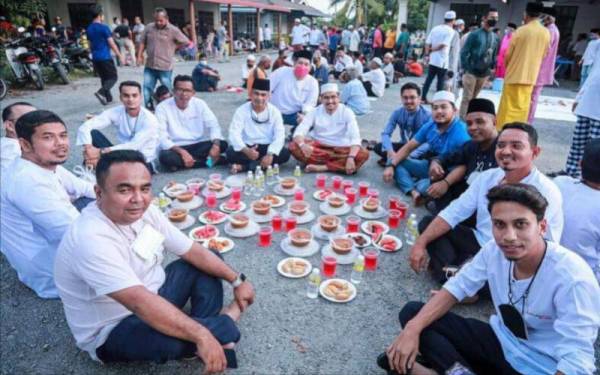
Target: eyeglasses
pixel 254 117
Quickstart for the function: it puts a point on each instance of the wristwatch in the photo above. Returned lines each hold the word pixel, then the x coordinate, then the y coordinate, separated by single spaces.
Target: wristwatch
pixel 238 280
pixel 389 163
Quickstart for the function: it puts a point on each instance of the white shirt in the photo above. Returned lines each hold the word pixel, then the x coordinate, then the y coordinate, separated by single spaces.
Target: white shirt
pixel 474 200
pixel 291 95
pixel 244 131
pixel 260 34
pixel 359 67
pixel 581 207
pixel 587 98
pixel 268 34
pixel 10 149
pixel 441 34
pixel 299 34
pixel 343 62
pixel 96 257
pixel 134 133
pixel 454 54
pixel 388 72
pixel 377 78
pixel 562 310
pixel 316 37
pixel 338 129
pixel 354 41
pixel 591 52
pixel 36 211
pixel 196 123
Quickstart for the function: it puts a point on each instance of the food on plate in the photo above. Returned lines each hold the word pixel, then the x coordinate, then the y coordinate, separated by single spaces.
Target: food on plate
pixel 358 240
pixel 205 232
pixel 185 197
pixel 273 199
pixel 370 204
pixel 213 216
pixel 338 290
pixel 239 221
pixel 341 245
pixel 178 215
pixel 387 243
pixel 215 185
pixel 298 207
pixel 329 223
pixel 198 181
pixel 294 267
pixel 288 183
pixel 374 228
pixel 261 207
pixel 232 205
pixel 335 201
pixel 217 244
pixel 300 237
pixel 171 184
pixel 323 194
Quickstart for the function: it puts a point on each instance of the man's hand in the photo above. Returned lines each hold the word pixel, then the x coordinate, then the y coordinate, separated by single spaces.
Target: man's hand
pixel 388 173
pixel 188 159
pixel 244 295
pixel 418 257
pixel 212 354
pixel 350 165
pixel 251 152
pixel 140 60
pixel 403 351
pixel 266 161
pixel 436 171
pixel 215 153
pixel 91 155
pixel 299 117
pixel 307 150
pixel 574 107
pixel 437 189
pixel 122 59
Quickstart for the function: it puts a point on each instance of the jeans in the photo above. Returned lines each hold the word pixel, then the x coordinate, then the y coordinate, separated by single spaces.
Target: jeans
pixel 107 72
pixel 411 169
pixel 150 78
pixel 82 202
pixel 135 340
pixel 199 151
pixel 432 73
pixel 238 157
pixel 292 120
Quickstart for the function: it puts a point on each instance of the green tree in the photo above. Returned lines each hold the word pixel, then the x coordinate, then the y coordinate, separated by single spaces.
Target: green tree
pixel 20 12
pixel 418 11
pixel 353 11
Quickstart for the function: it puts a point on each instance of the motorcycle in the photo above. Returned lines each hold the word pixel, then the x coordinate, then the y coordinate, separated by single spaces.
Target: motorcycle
pixel 77 57
pixel 50 56
pixel 3 89
pixel 24 63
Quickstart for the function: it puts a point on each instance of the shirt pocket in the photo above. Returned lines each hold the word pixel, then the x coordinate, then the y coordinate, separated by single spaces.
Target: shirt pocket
pixel 539 319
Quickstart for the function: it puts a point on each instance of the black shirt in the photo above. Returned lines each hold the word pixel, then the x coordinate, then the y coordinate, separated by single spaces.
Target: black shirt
pixel 471 155
pixel 122 31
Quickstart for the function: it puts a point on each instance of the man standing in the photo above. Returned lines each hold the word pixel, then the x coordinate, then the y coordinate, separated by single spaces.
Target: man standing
pixel 9 144
pixel 316 38
pixel 160 40
pixel 256 132
pixel 268 34
pixel 101 43
pixel 120 304
pixel 124 36
pixel 378 42
pixel 335 138
pixel 299 35
pixel 190 133
pixel 546 75
pixel 354 41
pixel 478 59
pixel 527 48
pixel 138 31
pixel 403 41
pixel 222 38
pixel 437 49
pixel 346 36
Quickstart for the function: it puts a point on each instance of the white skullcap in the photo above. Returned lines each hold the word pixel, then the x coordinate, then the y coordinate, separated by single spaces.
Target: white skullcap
pixel 444 95
pixel 450 15
pixel 377 61
pixel 251 58
pixel 297 20
pixel 351 27
pixel 460 21
pixel 329 87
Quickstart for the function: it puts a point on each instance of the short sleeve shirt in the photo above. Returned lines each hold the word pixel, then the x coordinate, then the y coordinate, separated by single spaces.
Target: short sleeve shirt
pixel 161 45
pixel 98 34
pixel 443 143
pixel 441 34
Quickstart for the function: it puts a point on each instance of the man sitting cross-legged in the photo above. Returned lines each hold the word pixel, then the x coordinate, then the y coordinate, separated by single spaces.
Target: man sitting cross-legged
pixel 39 199
pixel 190 132
pixel 120 304
pixel 9 144
pixel 335 138
pixel 547 310
pixel 137 128
pixel 256 133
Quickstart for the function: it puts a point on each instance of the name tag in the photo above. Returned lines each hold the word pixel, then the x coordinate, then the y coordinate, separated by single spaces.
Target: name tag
pixel 148 243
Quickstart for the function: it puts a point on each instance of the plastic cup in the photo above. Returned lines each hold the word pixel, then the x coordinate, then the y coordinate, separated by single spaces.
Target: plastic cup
pixel 321 181
pixel 328 265
pixel 394 219
pixel 350 195
pixel 371 255
pixel 211 199
pixel 265 235
pixel 194 188
pixel 277 223
pixel 336 182
pixel 215 177
pixel 236 193
pixel 403 208
pixel 299 194
pixel 290 223
pixel 373 193
pixel 347 184
pixel 352 224
pixel 394 200
pixel 363 188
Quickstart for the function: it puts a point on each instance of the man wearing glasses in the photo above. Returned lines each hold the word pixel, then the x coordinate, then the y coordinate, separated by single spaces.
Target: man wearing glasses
pixel 190 135
pixel 256 133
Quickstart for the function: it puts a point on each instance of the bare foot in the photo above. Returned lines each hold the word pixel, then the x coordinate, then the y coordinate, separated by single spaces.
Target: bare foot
pixel 419 369
pixel 416 196
pixel 233 310
pixel 311 168
pixel 235 168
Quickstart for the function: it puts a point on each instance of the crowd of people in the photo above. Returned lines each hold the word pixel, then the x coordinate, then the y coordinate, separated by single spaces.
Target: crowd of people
pixel 499 228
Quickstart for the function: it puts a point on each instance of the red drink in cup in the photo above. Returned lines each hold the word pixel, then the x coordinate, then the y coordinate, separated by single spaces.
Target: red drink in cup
pixel 373 193
pixel 329 264
pixel 337 182
pixel 290 223
pixel 363 188
pixel 236 193
pixel 215 177
pixel 394 219
pixel 211 199
pixel 403 208
pixel 394 202
pixel 350 195
pixel 371 254
pixel 320 181
pixel 264 236
pixel 352 224
pixel 347 184
pixel 277 223
pixel 299 194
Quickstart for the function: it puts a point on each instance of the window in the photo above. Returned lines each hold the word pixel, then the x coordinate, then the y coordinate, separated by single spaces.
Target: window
pixel 176 17
pixel 251 25
pixel 470 13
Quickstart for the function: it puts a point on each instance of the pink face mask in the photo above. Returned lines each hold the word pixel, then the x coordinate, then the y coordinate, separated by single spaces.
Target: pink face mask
pixel 300 71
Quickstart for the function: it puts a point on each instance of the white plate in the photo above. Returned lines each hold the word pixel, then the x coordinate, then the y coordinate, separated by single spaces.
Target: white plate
pixel 285 192
pixel 242 208
pixel 261 219
pixel 316 194
pixel 155 201
pixel 324 286
pixel 236 180
pixel 319 233
pixel 188 222
pixel 328 210
pixel 195 203
pixel 349 258
pixel 250 230
pixel 191 233
pixel 365 224
pixel 398 244
pixel 306 218
pixel 203 219
pixel 364 236
pixel 227 248
pixel 381 212
pixel 278 204
pixel 292 276
pixel 199 181
pixel 305 251
pixel 173 191
pixel 220 194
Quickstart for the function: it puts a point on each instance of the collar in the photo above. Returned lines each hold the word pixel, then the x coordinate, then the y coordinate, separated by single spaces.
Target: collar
pixel 30 164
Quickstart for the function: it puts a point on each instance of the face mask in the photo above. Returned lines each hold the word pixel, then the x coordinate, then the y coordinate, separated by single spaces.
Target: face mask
pixel 300 71
pixel 491 22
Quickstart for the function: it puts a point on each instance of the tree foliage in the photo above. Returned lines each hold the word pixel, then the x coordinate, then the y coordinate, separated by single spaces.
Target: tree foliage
pixel 352 12
pixel 418 11
pixel 21 11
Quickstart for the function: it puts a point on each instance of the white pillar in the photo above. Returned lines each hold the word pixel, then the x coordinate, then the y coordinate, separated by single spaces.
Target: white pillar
pixel 402 14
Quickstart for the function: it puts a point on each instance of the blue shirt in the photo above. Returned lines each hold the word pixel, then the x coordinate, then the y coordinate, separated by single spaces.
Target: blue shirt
pixel 98 34
pixel 321 74
pixel 408 123
pixel 354 96
pixel 334 40
pixel 443 143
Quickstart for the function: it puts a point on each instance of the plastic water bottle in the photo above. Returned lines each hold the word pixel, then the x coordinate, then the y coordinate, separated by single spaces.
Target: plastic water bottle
pixel 163 202
pixel 314 281
pixel 275 173
pixel 270 179
pixel 411 233
pixel 297 172
pixel 357 269
pixel 256 190
pixel 261 182
pixel 249 183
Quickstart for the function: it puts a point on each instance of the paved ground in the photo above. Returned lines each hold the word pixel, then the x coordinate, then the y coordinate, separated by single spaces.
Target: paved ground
pixel 284 332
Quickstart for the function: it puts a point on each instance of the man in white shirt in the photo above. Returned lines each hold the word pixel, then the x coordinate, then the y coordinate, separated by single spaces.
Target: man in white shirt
pixel 388 68
pixel 293 91
pixel 9 144
pixel 137 128
pixel 120 304
pixel 438 44
pixel 256 132
pixel 545 296
pixel 354 41
pixel 299 35
pixel 335 138
pixel 374 79
pixel 581 205
pixel 247 67
pixel 190 134
pixel 268 33
pixel 342 61
pixel 450 243
pixel 316 37
pixel 37 200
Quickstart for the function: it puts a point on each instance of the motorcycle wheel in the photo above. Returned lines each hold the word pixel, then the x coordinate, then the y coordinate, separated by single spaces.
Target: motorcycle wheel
pixel 3 89
pixel 38 79
pixel 87 66
pixel 62 73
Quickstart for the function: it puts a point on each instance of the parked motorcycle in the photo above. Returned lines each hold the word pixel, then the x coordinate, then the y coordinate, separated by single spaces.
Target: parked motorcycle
pixel 50 56
pixel 24 63
pixel 77 57
pixel 3 89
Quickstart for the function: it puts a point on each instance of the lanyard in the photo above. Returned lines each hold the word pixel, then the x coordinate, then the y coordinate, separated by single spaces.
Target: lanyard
pixel 134 130
pixel 525 294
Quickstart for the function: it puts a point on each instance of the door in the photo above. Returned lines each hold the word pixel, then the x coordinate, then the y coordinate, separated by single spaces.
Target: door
pixel 176 17
pixel 470 13
pixel 205 23
pixel 80 15
pixel 131 9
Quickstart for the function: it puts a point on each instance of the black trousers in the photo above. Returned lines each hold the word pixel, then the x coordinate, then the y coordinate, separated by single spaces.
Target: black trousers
pixel 238 157
pixel 99 140
pixel 378 149
pixel 199 151
pixel 452 338
pixel 434 72
pixel 451 249
pixel 107 71
pixel 369 88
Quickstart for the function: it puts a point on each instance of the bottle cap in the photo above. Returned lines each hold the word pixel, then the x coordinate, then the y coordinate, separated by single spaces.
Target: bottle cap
pixel 316 271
